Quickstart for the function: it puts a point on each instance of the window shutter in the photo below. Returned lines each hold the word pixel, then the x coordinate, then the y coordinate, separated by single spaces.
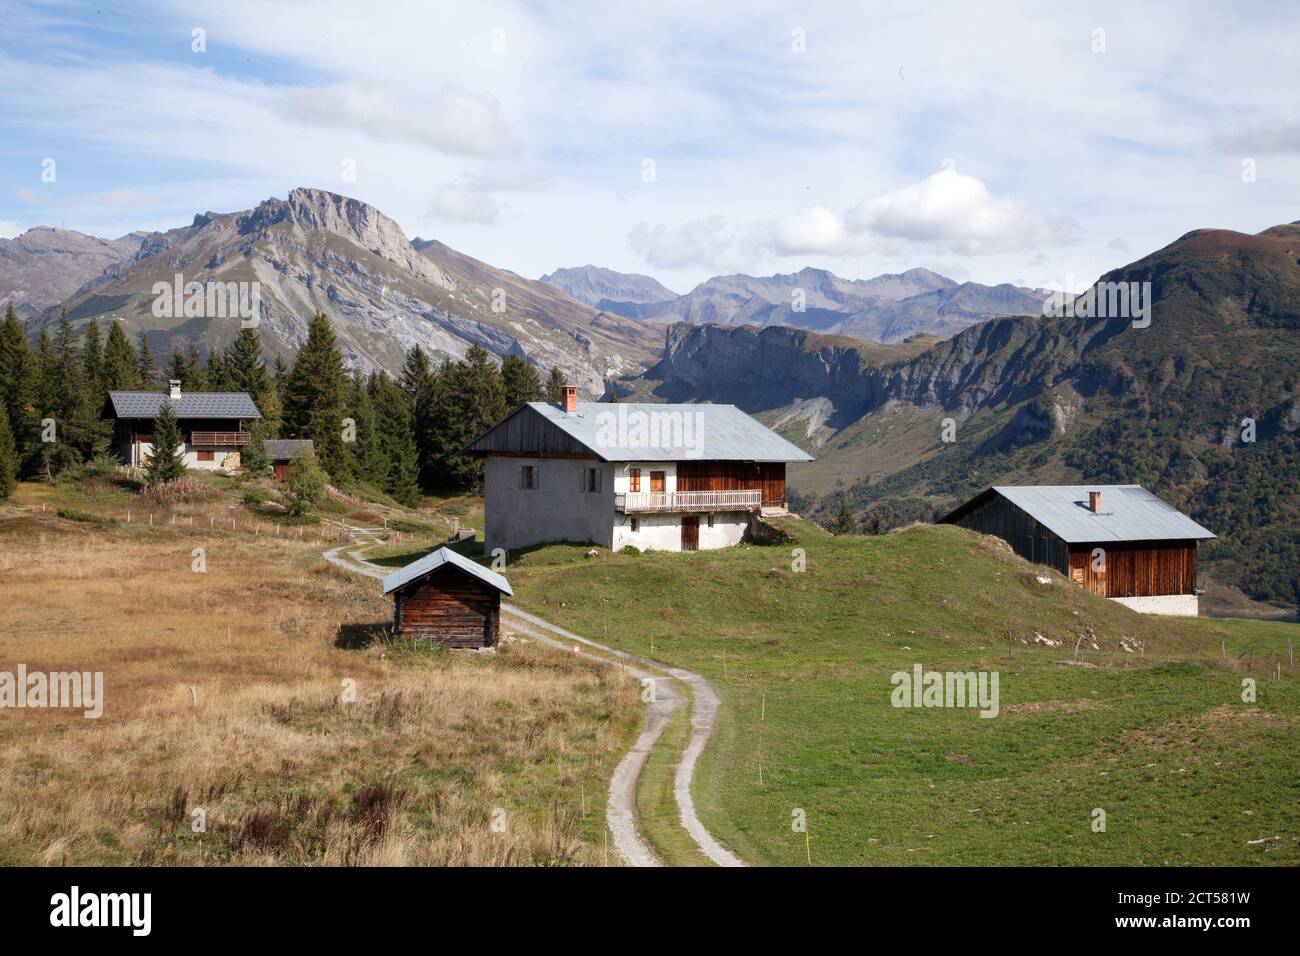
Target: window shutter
pixel 597 472
pixel 520 469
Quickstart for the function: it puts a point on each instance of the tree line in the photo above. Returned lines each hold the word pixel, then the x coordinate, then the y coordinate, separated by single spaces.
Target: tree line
pixel 399 435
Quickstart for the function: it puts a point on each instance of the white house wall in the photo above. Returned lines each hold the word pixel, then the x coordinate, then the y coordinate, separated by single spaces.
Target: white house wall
pixel 663 532
pixel 557 510
pixel 1178 605
pixel 222 458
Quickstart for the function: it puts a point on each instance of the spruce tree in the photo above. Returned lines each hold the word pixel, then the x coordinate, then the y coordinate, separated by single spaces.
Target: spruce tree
pixel 419 384
pixel 218 378
pixel 196 376
pixel 92 363
pixel 176 368
pixel 555 387
pixel 121 368
pixel 165 463
pixel 369 463
pixel 148 366
pixel 253 460
pixel 81 433
pixel 521 381
pixel 396 443
pixel 8 457
pixel 843 522
pixel 18 385
pixel 314 395
pixel 244 364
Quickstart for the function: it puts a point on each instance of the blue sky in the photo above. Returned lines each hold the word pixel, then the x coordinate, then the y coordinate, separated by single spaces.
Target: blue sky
pixel 1035 143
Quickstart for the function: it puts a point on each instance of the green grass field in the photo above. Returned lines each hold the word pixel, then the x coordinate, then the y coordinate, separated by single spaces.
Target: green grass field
pixel 1156 735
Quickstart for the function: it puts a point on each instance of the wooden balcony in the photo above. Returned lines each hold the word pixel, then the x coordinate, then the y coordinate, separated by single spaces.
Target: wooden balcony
pixel 638 502
pixel 219 438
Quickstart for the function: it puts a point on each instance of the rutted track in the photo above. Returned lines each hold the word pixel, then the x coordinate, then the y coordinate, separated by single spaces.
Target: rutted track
pixel 621 812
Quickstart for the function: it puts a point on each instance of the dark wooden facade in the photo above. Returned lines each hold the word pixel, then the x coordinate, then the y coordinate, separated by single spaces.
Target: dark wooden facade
pixel 1130 568
pixel 768 477
pixel 448 607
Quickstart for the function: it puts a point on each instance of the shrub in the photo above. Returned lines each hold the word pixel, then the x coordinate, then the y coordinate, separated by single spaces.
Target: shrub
pixel 306 485
pixel 366 516
pixel 407 526
pixel 72 514
pixel 179 491
pixel 630 549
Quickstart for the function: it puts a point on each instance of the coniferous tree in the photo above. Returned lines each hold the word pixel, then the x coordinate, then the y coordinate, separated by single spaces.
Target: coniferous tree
pixel 176 369
pixel 419 383
pixel 196 376
pixel 165 463
pixel 555 387
pixel 843 522
pixel 395 438
pixel 218 377
pixel 253 459
pixel 92 363
pixel 520 381
pixel 469 400
pixel 244 364
pixel 121 367
pixel 8 457
pixel 148 365
pixel 80 432
pixel 306 485
pixel 369 463
pixel 18 385
pixel 314 395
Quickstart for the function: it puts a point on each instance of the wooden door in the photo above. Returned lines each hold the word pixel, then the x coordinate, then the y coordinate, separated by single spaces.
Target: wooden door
pixel 657 482
pixel 690 534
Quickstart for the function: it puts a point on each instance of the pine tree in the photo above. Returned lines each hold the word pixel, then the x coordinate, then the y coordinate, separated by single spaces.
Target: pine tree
pixel 81 433
pixel 313 397
pixel 843 522
pixel 253 460
pixel 92 364
pixel 469 399
pixel 555 387
pixel 8 457
pixel 196 376
pixel 176 369
pixel 148 366
pixel 121 368
pixel 244 364
pixel 218 378
pixel 369 463
pixel 396 443
pixel 419 384
pixel 521 381
pixel 165 463
pixel 18 385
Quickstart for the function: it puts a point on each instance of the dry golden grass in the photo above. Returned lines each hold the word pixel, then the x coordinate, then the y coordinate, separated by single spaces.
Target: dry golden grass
pixel 436 747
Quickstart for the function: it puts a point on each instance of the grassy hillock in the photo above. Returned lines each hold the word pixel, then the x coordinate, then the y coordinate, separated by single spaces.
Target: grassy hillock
pixel 1099 707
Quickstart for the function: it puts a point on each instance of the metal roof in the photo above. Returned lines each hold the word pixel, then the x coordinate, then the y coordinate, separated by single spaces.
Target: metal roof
pixel 1128 513
pixel 189 405
pixel 645 431
pixel 287 449
pixel 436 559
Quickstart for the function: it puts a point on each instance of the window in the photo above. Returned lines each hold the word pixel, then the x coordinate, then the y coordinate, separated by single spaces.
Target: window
pixel 657 482
pixel 710 519
pixel 208 455
pixel 636 525
pixel 589 480
pixel 634 479
pixel 528 477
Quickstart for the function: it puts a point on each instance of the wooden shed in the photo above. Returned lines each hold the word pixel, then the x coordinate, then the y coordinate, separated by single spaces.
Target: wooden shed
pixel 1117 541
pixel 447 599
pixel 283 452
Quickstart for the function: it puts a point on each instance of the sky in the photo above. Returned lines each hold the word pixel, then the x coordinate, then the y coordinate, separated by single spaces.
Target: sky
pixel 1038 143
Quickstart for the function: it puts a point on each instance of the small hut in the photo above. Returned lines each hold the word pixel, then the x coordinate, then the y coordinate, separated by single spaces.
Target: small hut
pixel 282 452
pixel 447 599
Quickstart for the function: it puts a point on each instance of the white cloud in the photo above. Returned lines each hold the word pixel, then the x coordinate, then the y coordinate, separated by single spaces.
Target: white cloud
pixel 814 230
pixel 9 229
pixel 452 120
pixel 125 197
pixel 458 202
pixel 709 243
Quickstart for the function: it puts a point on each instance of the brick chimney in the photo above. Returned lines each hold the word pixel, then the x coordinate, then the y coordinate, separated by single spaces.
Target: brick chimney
pixel 570 398
pixel 1094 501
pixel 174 387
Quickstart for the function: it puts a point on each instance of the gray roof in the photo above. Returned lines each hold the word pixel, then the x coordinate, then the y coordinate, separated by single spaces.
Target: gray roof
pixel 189 405
pixel 1128 513
pixel 436 559
pixel 287 449
pixel 652 432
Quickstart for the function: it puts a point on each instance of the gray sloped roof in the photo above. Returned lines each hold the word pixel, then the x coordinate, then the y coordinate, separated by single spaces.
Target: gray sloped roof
pixel 1128 513
pixel 436 559
pixel 647 431
pixel 287 449
pixel 189 405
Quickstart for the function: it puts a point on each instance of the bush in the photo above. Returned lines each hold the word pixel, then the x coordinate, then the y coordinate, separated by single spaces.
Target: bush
pixel 179 491
pixel 630 549
pixel 369 517
pixel 306 485
pixel 407 526
pixel 72 514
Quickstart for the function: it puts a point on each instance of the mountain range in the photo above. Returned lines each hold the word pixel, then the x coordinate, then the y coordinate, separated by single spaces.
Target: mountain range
pixel 887 308
pixel 318 251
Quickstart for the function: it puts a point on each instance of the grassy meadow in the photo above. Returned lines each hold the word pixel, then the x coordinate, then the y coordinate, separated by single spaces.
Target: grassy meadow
pixel 1100 708
pixel 223 692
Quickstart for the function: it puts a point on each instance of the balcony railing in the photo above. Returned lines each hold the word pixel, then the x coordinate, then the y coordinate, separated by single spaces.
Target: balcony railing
pixel 635 501
pixel 219 438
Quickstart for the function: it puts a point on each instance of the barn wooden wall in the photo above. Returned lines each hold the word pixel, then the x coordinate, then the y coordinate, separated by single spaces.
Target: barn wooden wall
pixel 527 434
pixel 448 607
pixel 1137 568
pixel 1027 537
pixel 768 477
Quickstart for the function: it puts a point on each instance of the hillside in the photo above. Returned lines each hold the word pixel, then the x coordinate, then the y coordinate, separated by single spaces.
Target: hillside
pixel 1059 399
pixel 623 293
pixel 44 266
pixel 318 251
pixel 1098 706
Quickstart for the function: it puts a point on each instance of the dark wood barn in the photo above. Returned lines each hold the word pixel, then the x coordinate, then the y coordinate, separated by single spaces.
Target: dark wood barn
pixel 447 599
pixel 283 452
pixel 1117 541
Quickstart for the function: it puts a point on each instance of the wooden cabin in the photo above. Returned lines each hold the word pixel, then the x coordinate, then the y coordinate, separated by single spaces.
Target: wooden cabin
pixel 1117 541
pixel 447 599
pixel 282 452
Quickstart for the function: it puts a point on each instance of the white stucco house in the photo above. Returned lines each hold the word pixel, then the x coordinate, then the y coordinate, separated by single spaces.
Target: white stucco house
pixel 211 425
pixel 662 477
